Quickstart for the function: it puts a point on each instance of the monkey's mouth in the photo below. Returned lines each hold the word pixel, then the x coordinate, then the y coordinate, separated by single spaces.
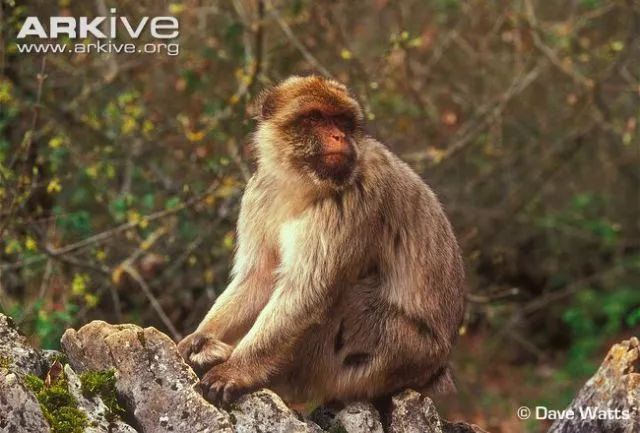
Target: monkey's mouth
pixel 336 158
pixel 336 166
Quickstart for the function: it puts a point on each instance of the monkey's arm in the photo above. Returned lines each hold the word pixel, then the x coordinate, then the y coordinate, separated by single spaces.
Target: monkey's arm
pixel 233 313
pixel 308 270
pixel 236 309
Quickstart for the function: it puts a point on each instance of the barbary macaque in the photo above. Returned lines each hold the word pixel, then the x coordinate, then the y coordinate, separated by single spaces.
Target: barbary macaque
pixel 347 280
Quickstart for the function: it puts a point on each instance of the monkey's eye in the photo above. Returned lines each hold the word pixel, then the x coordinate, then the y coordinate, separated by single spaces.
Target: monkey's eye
pixel 345 123
pixel 314 116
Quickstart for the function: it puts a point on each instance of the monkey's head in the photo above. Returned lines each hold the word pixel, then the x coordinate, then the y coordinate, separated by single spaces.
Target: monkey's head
pixel 310 126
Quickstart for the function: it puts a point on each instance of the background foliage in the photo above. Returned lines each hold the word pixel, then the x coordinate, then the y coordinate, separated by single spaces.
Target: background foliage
pixel 121 175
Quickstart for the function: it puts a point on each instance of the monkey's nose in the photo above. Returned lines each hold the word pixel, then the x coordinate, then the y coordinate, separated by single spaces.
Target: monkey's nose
pixel 337 144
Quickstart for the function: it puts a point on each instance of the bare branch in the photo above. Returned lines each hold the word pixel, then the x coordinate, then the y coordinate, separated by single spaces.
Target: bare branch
pixel 153 300
pixel 483 117
pixel 103 236
pixel 296 41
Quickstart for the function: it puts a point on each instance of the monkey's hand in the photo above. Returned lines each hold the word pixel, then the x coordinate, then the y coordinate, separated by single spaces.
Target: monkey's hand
pixel 202 351
pixel 224 382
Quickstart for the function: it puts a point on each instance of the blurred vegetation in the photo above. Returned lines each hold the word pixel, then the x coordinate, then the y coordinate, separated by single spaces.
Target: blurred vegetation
pixel 121 175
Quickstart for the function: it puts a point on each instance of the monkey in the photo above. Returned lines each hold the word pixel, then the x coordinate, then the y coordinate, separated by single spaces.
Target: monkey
pixel 347 281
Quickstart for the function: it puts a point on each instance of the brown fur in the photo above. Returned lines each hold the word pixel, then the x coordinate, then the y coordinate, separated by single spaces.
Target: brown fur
pixel 347 281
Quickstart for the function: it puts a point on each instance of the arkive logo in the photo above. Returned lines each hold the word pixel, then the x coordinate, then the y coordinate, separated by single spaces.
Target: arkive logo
pixel 99 35
pixel 162 27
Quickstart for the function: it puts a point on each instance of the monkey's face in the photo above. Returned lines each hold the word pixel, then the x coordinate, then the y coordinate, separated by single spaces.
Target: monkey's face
pixel 314 128
pixel 323 143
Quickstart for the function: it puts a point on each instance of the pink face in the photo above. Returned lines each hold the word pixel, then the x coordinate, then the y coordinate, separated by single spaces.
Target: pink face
pixel 333 133
pixel 333 153
pixel 319 128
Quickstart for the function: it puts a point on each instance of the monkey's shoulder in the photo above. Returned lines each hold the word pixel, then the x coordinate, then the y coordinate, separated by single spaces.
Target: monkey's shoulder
pixel 384 172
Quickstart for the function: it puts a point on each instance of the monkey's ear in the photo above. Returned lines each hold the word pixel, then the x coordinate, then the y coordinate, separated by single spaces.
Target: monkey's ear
pixel 264 106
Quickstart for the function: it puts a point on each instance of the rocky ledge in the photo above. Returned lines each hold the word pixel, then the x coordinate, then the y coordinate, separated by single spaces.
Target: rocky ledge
pixel 126 379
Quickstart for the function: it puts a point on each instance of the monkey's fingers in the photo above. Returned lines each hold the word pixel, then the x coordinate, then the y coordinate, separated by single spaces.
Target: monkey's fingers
pixel 220 391
pixel 197 342
pixel 215 392
pixel 207 353
pixel 190 344
pixel 183 348
pixel 230 393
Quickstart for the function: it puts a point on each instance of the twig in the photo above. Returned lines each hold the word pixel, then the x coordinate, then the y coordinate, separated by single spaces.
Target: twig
pixel 360 70
pixel 3 306
pixel 145 245
pixel 483 117
pixel 3 43
pixel 296 42
pixel 236 157
pixel 28 136
pixel 525 343
pixel 557 295
pixel 176 262
pixel 486 299
pixel 101 237
pixel 22 263
pixel 103 269
pixel 259 45
pixel 254 63
pixel 46 277
pixel 523 195
pixel 152 299
pixel 550 53
pixel 26 143
pixel 127 267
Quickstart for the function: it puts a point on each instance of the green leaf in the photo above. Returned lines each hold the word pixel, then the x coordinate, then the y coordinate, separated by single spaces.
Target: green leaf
pixel 172 203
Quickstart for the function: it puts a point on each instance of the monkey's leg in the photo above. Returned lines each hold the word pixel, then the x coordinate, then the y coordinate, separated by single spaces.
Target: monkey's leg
pixel 367 349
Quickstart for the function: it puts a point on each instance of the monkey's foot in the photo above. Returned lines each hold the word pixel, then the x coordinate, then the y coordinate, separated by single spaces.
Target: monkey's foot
pixel 202 351
pixel 224 383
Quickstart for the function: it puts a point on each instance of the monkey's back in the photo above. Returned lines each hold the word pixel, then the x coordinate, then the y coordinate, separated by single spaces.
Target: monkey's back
pixel 416 243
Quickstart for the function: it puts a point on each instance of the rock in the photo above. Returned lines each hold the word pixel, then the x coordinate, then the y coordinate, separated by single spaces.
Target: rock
pixel 616 387
pixel 415 413
pixel 19 409
pixel 15 351
pixel 94 407
pixel 159 392
pixel 325 417
pixel 88 349
pixel 158 389
pixel 50 356
pixel 264 411
pixel 359 417
pixel 460 427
